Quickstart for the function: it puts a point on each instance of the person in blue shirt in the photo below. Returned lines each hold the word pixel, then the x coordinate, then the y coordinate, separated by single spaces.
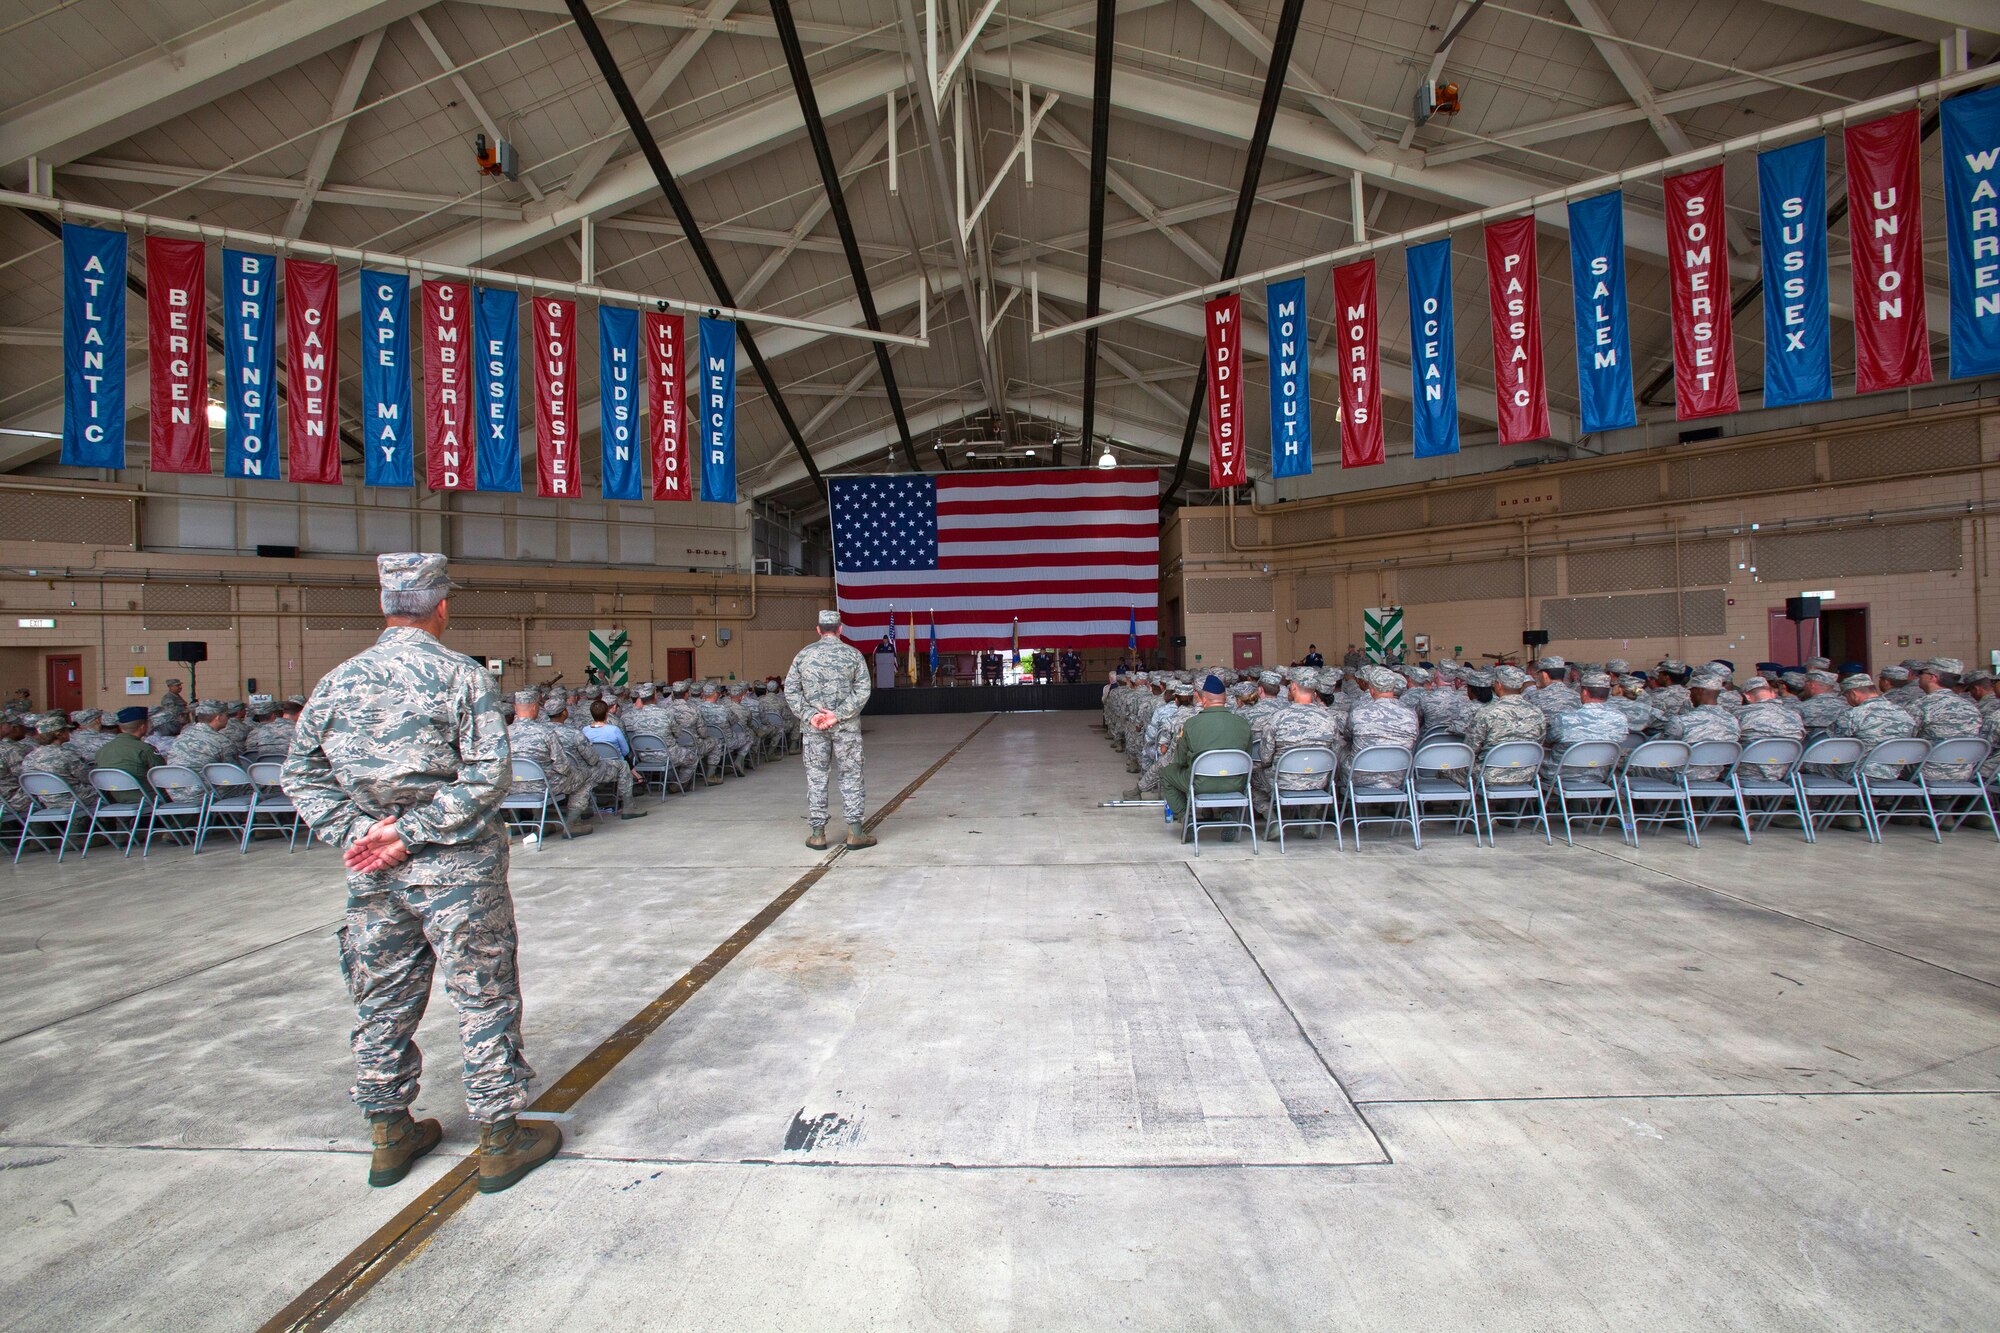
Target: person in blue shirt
pixel 601 728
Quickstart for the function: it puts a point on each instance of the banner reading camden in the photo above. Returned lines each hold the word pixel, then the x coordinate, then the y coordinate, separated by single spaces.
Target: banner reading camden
pixel 388 443
pixel 93 347
pixel 248 309
pixel 666 395
pixel 718 410
pixel 1291 386
pixel 554 325
pixel 1360 364
pixel 448 460
pixel 1603 329
pixel 618 401
pixel 177 354
pixel 1791 217
pixel 312 371
pixel 496 359
pixel 1698 269
pixel 1433 368
pixel 1513 289
pixel 1972 229
pixel 1885 226
pixel 1223 320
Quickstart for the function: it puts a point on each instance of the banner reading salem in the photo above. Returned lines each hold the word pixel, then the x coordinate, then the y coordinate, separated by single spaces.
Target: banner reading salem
pixel 249 303
pixel 1698 269
pixel 93 347
pixel 618 401
pixel 177 354
pixel 312 366
pixel 1885 228
pixel 1791 214
pixel 1360 364
pixel 1603 332
pixel 1972 229
pixel 718 410
pixel 555 397
pixel 666 351
pixel 1291 383
pixel 1223 319
pixel 387 446
pixel 448 458
pixel 1513 289
pixel 1433 370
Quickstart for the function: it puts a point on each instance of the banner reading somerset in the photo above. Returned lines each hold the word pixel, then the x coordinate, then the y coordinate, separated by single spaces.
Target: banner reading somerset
pixel 1223 318
pixel 1698 267
pixel 1885 228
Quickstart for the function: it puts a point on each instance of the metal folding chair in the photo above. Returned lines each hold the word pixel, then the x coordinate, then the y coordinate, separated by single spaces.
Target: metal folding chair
pixel 1512 756
pixel 1441 774
pixel 606 750
pixel 179 798
pixel 1830 769
pixel 1234 804
pixel 269 802
pixel 1719 792
pixel 111 783
pixel 1587 775
pixel 1317 763
pixel 1766 797
pixel 1639 783
pixel 1390 761
pixel 530 796
pixel 653 763
pixel 1883 799
pixel 230 797
pixel 1971 790
pixel 50 801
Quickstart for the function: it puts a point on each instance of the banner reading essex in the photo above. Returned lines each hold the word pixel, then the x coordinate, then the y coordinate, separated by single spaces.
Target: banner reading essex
pixel 448 459
pixel 1698 269
pixel 388 445
pixel 312 371
pixel 177 354
pixel 666 395
pixel 1513 288
pixel 618 401
pixel 1433 354
pixel 1885 228
pixel 1223 319
pixel 496 360
pixel 554 324
pixel 1360 364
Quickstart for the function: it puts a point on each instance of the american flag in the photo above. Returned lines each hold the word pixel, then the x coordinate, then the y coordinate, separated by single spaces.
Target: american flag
pixel 1072 554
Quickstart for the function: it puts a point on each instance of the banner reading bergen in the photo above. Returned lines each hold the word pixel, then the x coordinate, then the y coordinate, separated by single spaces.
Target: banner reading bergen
pixel 312 371
pixel 718 410
pixel 666 396
pixel 93 347
pixel 1885 228
pixel 1291 385
pixel 1360 364
pixel 496 359
pixel 1433 370
pixel 177 354
pixel 387 444
pixel 618 402
pixel 1223 319
pixel 249 303
pixel 1791 216
pixel 448 459
pixel 554 325
pixel 1513 288
pixel 1972 229
pixel 1698 269
pixel 1603 330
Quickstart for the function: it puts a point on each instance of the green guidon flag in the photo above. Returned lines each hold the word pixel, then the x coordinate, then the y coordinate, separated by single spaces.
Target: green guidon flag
pixel 1381 631
pixel 610 652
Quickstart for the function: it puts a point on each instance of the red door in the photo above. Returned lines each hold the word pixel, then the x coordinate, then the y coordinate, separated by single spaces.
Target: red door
pixel 680 664
pixel 1246 650
pixel 65 684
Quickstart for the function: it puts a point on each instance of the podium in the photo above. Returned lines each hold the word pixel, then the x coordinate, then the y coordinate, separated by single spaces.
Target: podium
pixel 885 671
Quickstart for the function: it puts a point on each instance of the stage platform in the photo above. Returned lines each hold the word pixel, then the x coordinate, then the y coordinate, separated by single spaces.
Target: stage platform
pixel 906 701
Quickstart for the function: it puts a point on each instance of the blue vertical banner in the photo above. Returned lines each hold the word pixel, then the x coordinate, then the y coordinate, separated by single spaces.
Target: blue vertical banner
pixel 1603 327
pixel 1791 214
pixel 249 307
pixel 715 398
pixel 93 347
pixel 388 436
pixel 496 343
pixel 1433 372
pixel 1291 390
pixel 1972 229
pixel 618 401
pixel 934 651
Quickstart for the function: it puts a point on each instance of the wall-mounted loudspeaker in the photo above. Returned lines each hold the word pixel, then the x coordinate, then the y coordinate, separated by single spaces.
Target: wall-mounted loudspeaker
pixel 1801 608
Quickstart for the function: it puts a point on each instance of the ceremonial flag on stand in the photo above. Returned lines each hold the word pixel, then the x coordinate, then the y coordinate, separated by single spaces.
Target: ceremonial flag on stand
pixel 1132 628
pixel 666 394
pixel 1603 334
pixel 556 462
pixel 449 461
pixel 1513 289
pixel 1433 369
pixel 93 347
pixel 1972 228
pixel 1291 384
pixel 1050 552
pixel 1791 213
pixel 387 431
pixel 177 354
pixel 312 370
pixel 911 650
pixel 249 302
pixel 1698 269
pixel 1885 228
pixel 718 410
pixel 618 401
pixel 1360 364
pixel 1017 641
pixel 934 650
pixel 1223 318
pixel 496 343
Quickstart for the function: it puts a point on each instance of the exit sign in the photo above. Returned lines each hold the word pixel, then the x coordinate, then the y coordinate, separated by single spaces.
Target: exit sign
pixel 26 623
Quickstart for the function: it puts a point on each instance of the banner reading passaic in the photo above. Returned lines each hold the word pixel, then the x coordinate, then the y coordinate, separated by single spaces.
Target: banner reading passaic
pixel 1513 289
pixel 1223 320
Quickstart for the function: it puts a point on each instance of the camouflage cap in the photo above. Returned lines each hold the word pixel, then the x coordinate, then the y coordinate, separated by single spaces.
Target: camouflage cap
pixel 528 698
pixel 51 724
pixel 679 687
pixel 1331 676
pixel 83 717
pixel 829 620
pixel 1979 676
pixel 173 681
pixel 1821 676
pixel 709 687
pixel 590 692
pixel 1270 680
pixel 1672 665
pixel 1479 676
pixel 1913 664
pixel 1899 674
pixel 1618 666
pixel 1551 663
pixel 1755 683
pixel 1794 680
pixel 1596 680
pixel 1706 679
pixel 1860 680
pixel 1819 664
pixel 644 690
pixel 1183 689
pixel 1510 675
pixel 295 701
pixel 236 706
pixel 1243 689
pixel 1417 675
pixel 1306 677
pixel 209 708
pixel 413 571
pixel 263 705
pixel 1945 666
pixel 1381 678
pixel 1633 681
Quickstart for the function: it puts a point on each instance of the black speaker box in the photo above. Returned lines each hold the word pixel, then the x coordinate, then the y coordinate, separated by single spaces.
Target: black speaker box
pixel 1534 638
pixel 1801 608
pixel 187 650
pixel 278 552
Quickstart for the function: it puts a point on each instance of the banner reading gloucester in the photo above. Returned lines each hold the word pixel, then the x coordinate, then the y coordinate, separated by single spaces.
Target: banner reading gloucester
pixel 177 353
pixel 1223 318
pixel 312 367
pixel 666 400
pixel 1360 364
pixel 1885 227
pixel 1513 288
pixel 1698 268
pixel 554 325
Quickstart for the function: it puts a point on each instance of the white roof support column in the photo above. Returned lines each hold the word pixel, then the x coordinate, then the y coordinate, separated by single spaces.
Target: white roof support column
pixel 328 144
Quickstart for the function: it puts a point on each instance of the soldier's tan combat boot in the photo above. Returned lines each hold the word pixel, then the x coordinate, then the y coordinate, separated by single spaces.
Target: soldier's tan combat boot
pixel 509 1150
pixel 857 836
pixel 398 1142
pixel 817 838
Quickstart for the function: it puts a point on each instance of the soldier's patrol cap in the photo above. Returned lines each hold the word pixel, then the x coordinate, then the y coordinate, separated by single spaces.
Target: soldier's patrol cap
pixel 1724 663
pixel 527 698
pixel 1596 680
pixel 1672 664
pixel 1822 676
pixel 173 681
pixel 1899 674
pixel 85 716
pixel 209 708
pixel 1243 689
pixel 1417 675
pixel 1979 677
pixel 1945 666
pixel 1270 680
pixel 1477 676
pixel 263 705
pixel 1860 680
pixel 1755 683
pixel 829 620
pixel 1331 676
pixel 51 724
pixel 136 713
pixel 1913 664
pixel 1551 664
pixel 1510 675
pixel 1183 689
pixel 1793 679
pixel 1306 676
pixel 590 692
pixel 644 690
pixel 1819 664
pixel 295 701
pixel 1618 666
pixel 1706 679
pixel 679 687
pixel 710 687
pixel 1381 678
pixel 413 571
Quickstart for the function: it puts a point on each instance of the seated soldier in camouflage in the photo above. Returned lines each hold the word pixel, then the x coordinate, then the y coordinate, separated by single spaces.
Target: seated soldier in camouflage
pixel 532 737
pixel 1593 719
pixel 1381 719
pixel 597 771
pixel 1509 717
pixel 1163 732
pixel 1872 719
pixel 55 757
pixel 1708 720
pixel 1303 722
pixel 1764 717
pixel 1944 714
pixel 13 749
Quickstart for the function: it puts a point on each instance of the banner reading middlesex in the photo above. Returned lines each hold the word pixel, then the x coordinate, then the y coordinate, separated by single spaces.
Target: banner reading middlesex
pixel 93 347
pixel 312 371
pixel 666 350
pixel 177 354
pixel 1360 364
pixel 1885 227
pixel 1513 288
pixel 1291 383
pixel 1433 351
pixel 1972 228
pixel 554 324
pixel 448 459
pixel 388 447
pixel 1603 331
pixel 618 401
pixel 249 301
pixel 1698 269
pixel 718 410
pixel 1223 319
pixel 1791 215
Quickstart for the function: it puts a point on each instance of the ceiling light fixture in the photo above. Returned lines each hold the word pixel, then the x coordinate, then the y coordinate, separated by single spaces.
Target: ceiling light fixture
pixel 1107 459
pixel 218 415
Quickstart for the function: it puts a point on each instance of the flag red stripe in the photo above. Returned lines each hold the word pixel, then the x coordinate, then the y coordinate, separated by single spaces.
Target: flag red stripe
pixel 908 595
pixel 1133 532
pixel 1053 504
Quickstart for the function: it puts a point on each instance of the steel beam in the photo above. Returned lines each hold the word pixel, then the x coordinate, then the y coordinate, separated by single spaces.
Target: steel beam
pixel 650 92
pixel 327 145
pixel 1103 62
pixel 1252 39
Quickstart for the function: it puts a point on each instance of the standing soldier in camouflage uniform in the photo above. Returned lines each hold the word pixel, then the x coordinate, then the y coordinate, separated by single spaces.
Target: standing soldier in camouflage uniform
pixel 55 756
pixel 1872 719
pixel 207 741
pixel 13 751
pixel 1764 718
pixel 1304 722
pixel 1508 718
pixel 401 761
pixel 173 704
pixel 827 687
pixel 1708 720
pixel 1553 694
pixel 539 740
pixel 1381 719
pixel 1944 714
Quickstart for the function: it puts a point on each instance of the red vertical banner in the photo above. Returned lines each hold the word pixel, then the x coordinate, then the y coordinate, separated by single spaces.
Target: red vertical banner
pixel 1698 269
pixel 1360 360
pixel 448 457
pixel 666 399
pixel 177 353
pixel 554 325
pixel 1513 287
pixel 1223 318
pixel 312 371
pixel 1885 229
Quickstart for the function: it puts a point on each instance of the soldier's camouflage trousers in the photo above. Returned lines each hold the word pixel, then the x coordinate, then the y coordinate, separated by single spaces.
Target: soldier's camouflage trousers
pixel 822 750
pixel 393 941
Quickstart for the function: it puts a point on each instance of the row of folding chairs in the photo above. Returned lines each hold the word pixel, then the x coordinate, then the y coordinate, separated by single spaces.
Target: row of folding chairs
pixel 1650 783
pixel 175 802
